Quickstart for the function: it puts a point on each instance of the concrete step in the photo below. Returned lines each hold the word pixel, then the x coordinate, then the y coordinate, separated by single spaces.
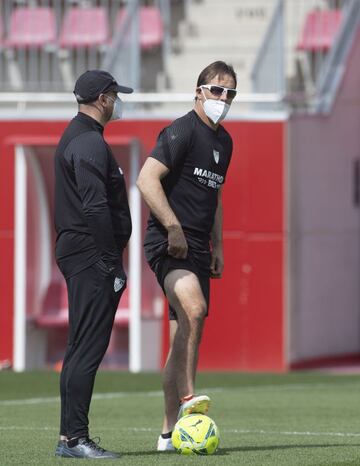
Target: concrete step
pixel 239 61
pixel 215 27
pixel 235 34
pixel 183 61
pixel 228 30
pixel 235 20
pixel 188 84
pixel 243 4
pixel 237 44
pixel 224 12
pixel 192 65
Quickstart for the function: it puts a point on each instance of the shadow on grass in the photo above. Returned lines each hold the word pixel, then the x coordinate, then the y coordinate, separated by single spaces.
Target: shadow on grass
pixel 244 449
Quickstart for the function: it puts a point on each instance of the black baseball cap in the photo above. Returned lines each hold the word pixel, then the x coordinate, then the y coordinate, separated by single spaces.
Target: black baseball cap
pixel 92 83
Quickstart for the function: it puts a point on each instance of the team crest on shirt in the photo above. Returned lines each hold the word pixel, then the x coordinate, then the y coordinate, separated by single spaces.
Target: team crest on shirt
pixel 118 284
pixel 216 155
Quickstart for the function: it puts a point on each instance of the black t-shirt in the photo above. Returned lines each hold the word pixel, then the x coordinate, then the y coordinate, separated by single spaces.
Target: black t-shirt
pixel 92 216
pixel 197 158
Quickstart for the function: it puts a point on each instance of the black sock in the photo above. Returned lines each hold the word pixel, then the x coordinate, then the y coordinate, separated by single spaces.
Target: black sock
pixel 168 435
pixel 73 442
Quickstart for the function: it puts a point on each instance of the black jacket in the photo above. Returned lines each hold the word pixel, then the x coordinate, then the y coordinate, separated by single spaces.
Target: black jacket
pixel 92 216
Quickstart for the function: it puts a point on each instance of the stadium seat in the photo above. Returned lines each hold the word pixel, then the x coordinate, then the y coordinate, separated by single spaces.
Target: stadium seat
pixel 1 31
pixel 54 312
pixel 319 30
pixel 31 27
pixel 2 77
pixel 1 50
pixel 84 28
pixel 151 26
pixel 122 313
pixel 151 38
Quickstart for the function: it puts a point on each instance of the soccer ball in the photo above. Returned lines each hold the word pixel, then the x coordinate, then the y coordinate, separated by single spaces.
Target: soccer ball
pixel 195 434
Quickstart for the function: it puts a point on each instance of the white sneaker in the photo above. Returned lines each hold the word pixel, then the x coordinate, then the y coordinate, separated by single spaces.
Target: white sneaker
pixel 197 404
pixel 165 444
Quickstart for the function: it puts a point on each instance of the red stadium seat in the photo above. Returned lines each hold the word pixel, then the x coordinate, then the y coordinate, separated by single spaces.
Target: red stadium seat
pixel 151 26
pixel 31 27
pixel 84 27
pixel 122 313
pixel 319 30
pixel 54 312
pixel 1 31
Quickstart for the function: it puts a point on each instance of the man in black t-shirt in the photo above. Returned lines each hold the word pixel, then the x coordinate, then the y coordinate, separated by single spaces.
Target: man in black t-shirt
pixel 181 181
pixel 93 226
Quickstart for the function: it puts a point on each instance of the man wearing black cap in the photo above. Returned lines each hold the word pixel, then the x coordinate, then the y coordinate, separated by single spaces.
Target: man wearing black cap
pixel 93 226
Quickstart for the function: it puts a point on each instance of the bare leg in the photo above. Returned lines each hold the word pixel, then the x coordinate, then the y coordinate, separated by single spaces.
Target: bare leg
pixel 171 397
pixel 185 296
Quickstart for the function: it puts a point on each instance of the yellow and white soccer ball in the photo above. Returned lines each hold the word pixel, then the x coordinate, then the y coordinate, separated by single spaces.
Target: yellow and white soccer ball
pixel 195 434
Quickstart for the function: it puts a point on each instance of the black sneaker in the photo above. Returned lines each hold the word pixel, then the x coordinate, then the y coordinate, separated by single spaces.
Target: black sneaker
pixel 61 444
pixel 84 447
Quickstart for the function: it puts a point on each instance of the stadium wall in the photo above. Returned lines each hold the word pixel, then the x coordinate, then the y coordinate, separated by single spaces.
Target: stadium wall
pixel 246 328
pixel 324 271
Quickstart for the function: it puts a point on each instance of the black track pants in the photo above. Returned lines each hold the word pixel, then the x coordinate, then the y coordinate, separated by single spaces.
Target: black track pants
pixel 92 305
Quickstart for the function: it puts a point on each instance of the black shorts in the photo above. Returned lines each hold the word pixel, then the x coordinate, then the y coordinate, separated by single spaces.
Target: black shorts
pixel 197 261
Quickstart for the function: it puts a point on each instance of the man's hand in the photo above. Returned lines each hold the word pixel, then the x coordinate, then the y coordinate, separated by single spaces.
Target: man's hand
pixel 177 245
pixel 217 262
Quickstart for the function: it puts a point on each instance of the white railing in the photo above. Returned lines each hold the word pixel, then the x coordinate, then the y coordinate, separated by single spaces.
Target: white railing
pixel 27 98
pixel 34 105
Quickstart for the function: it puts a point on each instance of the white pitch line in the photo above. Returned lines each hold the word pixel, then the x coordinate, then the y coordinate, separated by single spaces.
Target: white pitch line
pixel 295 433
pixel 30 401
pixel 232 431
pixel 48 428
pixel 96 396
pixel 251 388
pixel 23 428
pixel 285 387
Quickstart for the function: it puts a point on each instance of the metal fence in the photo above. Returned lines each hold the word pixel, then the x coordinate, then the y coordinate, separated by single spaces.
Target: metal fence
pixel 304 49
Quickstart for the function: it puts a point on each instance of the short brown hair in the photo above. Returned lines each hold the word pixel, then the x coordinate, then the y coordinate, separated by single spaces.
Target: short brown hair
pixel 217 68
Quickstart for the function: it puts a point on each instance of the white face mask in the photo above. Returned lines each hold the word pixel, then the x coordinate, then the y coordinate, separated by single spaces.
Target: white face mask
pixel 117 110
pixel 216 110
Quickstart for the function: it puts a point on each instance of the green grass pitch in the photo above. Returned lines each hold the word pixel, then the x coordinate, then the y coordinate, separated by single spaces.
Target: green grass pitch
pixel 264 419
